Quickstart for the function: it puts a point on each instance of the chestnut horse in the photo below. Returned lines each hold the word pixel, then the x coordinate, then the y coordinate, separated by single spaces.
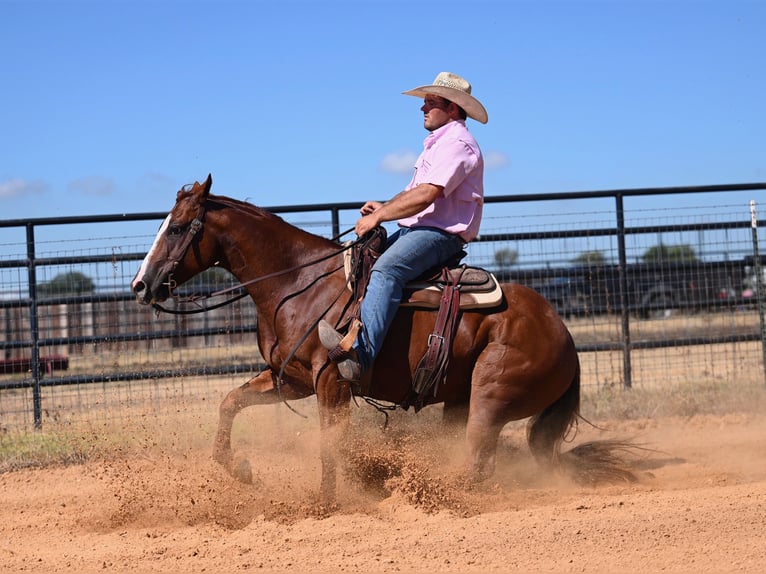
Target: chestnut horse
pixel 508 363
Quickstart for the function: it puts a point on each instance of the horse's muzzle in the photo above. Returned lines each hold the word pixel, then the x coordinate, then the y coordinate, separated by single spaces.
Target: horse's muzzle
pixel 146 295
pixel 143 295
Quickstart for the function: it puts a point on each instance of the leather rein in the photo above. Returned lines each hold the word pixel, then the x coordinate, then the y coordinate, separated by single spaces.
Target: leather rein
pixel 180 252
pixel 188 241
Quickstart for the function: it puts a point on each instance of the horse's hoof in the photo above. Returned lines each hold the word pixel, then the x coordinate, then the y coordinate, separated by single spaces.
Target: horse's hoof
pixel 243 472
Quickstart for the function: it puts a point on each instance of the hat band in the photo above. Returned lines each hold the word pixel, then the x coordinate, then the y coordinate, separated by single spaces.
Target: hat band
pixel 453 86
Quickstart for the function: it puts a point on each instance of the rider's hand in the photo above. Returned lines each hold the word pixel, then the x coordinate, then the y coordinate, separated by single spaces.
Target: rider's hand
pixel 365 224
pixel 370 207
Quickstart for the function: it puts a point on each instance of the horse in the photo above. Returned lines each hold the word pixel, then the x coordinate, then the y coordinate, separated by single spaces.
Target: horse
pixel 512 362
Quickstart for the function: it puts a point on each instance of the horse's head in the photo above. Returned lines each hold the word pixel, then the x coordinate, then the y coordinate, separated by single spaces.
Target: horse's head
pixel 178 252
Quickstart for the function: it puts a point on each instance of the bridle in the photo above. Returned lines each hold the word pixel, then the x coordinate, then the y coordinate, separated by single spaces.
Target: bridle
pixel 175 257
pixel 179 252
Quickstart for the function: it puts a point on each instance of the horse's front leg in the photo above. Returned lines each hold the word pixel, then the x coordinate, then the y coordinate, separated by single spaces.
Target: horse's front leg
pixel 260 390
pixel 334 399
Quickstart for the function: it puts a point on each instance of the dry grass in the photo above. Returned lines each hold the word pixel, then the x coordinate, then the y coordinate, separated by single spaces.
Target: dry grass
pixel 619 403
pixel 601 328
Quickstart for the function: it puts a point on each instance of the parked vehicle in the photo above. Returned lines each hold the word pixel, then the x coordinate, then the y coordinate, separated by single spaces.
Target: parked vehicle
pixel 647 289
pixel 754 278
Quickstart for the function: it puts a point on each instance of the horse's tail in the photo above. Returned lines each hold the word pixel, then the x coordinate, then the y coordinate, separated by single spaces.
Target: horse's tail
pixel 588 463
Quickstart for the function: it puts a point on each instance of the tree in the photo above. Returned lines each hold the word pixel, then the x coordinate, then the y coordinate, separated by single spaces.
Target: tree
pixel 590 258
pixel 72 283
pixel 506 257
pixel 683 253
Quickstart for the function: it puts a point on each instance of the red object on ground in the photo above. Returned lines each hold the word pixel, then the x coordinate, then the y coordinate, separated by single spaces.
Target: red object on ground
pixel 24 364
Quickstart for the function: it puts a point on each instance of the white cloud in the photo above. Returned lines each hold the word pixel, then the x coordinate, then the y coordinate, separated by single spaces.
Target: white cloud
pixel 399 162
pixel 18 187
pixel 496 159
pixel 157 180
pixel 95 185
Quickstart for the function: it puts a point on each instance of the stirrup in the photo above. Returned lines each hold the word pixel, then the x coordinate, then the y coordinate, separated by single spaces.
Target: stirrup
pixel 340 350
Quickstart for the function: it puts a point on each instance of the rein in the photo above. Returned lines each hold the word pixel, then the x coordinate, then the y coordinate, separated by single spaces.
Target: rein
pixel 194 228
pixel 180 252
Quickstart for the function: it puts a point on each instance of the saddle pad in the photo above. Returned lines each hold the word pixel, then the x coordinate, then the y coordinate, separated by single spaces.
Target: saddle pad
pixel 428 295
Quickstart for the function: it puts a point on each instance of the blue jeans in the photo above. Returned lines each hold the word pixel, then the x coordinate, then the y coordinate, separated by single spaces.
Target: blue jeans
pixel 409 253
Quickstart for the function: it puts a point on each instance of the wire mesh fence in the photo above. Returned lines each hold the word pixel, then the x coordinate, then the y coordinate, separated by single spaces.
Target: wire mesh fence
pixel 667 297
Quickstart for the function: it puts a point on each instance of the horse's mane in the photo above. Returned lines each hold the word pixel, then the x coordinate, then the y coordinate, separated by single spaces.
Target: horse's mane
pixel 221 201
pixel 240 205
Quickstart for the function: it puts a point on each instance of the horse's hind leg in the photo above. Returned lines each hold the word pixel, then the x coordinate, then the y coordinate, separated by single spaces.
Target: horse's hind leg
pixel 489 411
pixel 481 435
pixel 260 390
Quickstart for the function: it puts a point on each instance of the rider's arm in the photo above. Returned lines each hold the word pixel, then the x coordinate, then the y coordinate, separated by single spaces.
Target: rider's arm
pixel 404 204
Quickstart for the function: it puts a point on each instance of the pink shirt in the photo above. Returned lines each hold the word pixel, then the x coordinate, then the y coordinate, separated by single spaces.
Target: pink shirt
pixel 452 159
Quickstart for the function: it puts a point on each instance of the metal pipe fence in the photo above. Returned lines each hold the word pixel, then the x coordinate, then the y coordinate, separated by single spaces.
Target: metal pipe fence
pixel 634 273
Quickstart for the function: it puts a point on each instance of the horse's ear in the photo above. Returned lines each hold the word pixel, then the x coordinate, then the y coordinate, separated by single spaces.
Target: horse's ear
pixel 202 190
pixel 198 190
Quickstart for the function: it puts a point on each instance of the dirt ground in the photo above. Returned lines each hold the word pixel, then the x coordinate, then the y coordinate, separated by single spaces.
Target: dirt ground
pixel 162 505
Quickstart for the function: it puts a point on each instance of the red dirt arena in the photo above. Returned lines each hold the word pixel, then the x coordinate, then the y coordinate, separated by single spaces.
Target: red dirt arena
pixel 162 505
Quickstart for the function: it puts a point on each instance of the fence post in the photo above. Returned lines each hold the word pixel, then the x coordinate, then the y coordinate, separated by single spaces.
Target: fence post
pixel 34 327
pixel 759 283
pixel 335 216
pixel 627 371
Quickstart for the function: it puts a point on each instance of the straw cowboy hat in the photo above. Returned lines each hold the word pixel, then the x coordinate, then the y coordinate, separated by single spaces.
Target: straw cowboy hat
pixel 455 89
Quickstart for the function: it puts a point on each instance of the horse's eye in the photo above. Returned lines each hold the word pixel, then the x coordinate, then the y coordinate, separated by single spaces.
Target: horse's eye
pixel 174 230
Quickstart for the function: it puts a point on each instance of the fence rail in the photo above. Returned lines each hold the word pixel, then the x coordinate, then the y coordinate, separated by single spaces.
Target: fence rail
pixel 106 338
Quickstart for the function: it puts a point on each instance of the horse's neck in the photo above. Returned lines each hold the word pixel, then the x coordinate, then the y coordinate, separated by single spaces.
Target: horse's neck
pixel 268 251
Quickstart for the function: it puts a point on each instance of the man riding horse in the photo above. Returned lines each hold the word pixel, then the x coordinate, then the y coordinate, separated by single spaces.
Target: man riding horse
pixel 438 213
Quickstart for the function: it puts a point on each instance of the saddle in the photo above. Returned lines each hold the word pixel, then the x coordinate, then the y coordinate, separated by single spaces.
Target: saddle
pixel 450 288
pixel 479 289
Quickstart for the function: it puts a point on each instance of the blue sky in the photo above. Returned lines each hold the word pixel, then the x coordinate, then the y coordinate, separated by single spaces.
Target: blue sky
pixel 111 106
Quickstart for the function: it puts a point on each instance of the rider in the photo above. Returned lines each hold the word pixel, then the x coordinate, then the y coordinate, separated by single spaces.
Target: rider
pixel 438 213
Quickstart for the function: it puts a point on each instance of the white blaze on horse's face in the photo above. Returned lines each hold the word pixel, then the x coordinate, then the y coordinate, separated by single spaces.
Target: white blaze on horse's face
pixel 138 284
